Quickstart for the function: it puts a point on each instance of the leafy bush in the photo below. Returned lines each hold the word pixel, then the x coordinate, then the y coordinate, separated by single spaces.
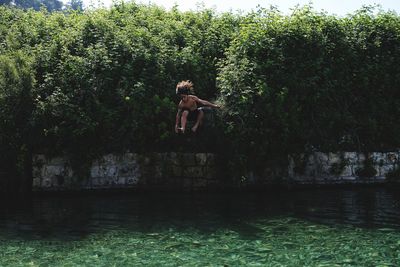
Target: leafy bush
pixel 104 80
pixel 312 81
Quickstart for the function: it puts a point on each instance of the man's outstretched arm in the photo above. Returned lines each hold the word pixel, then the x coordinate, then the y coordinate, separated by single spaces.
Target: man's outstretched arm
pixel 206 103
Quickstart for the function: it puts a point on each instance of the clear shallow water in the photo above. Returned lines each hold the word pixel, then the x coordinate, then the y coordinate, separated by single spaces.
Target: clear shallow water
pixel 299 228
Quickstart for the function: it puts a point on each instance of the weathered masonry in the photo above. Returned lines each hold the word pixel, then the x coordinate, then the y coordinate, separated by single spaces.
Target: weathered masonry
pixel 169 171
pixel 200 171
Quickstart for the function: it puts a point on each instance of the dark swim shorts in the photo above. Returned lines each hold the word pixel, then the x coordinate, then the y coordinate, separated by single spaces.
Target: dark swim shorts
pixel 192 116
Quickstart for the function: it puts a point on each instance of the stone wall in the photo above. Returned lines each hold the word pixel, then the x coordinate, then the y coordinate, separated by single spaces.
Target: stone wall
pixel 169 171
pixel 342 168
pixel 199 171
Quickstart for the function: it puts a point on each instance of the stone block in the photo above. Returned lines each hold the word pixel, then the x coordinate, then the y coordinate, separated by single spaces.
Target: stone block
pixel 157 157
pixel 383 170
pixel 128 169
pixel 120 180
pixel 360 158
pixel 69 179
pixel 311 171
pixel 188 159
pixel 347 171
pixel 39 158
pixel 46 183
pixel 116 180
pixel 173 158
pixel 299 178
pixel 210 172
pixel 321 157
pixel 193 172
pixel 36 182
pixel 146 160
pixel 103 170
pixel 158 171
pixel 379 158
pixel 56 161
pixel 97 171
pixel 310 159
pixel 132 180
pixel 108 181
pixel 68 172
pixel 333 179
pixel 199 183
pixel 96 181
pixel 177 171
pixel 348 178
pixel 104 181
pixel 392 158
pixel 127 158
pixel 320 180
pixel 333 157
pixel 108 159
pixel 351 157
pixel 316 161
pixel 324 169
pixel 52 170
pixel 37 173
pixel 161 156
pixel 211 160
pixel 201 159
pixel 111 171
pixel 291 166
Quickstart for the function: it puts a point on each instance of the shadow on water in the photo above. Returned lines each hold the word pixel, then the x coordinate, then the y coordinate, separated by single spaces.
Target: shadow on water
pixel 75 217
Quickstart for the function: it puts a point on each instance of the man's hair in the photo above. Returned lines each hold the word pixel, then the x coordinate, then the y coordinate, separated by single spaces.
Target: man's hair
pixel 184 87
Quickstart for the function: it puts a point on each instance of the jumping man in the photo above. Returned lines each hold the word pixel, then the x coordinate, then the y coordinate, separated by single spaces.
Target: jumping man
pixel 187 108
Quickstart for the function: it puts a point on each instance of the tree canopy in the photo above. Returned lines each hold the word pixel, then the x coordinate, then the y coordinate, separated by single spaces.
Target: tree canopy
pixel 50 5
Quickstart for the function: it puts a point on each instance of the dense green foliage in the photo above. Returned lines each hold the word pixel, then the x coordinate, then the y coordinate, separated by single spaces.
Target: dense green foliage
pixel 88 83
pixel 104 80
pixel 16 107
pixel 312 80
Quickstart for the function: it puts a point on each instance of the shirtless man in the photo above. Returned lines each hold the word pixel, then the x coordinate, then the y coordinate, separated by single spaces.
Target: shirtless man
pixel 187 108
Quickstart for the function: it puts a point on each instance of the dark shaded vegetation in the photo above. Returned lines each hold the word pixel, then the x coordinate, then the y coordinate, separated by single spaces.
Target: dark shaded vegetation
pixel 314 80
pixel 393 176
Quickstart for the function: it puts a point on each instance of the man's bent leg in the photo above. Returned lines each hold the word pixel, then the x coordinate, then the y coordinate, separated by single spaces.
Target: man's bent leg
pixel 199 120
pixel 184 120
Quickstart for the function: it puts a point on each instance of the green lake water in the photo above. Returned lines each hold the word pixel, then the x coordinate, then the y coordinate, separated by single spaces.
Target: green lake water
pixel 340 227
